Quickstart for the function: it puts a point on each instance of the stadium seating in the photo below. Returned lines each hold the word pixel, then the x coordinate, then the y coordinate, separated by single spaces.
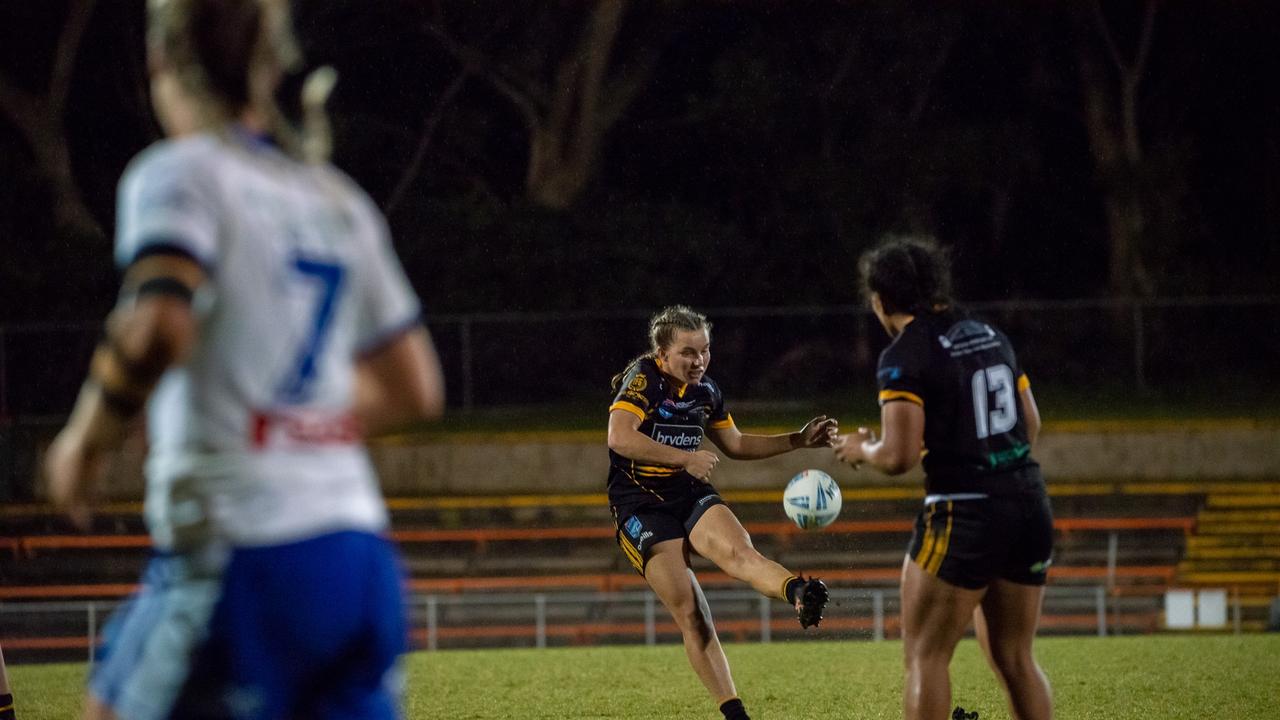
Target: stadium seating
pixel 1125 538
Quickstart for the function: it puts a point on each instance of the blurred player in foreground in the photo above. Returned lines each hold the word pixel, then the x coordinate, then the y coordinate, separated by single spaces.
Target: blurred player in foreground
pixel 265 325
pixel 662 500
pixel 984 540
pixel 6 694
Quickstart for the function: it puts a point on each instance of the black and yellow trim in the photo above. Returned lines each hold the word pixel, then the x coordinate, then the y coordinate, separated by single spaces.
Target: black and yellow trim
pixel 633 554
pixel 934 549
pixel 926 543
pixel 629 407
pixel 727 422
pixel 785 584
pixel 891 395
pixel 632 475
pixel 656 470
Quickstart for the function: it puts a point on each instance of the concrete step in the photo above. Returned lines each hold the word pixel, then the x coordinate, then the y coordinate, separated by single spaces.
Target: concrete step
pixel 1255 540
pixel 1238 501
pixel 1239 515
pixel 1239 552
pixel 1237 528
pixel 1237 577
pixel 1228 565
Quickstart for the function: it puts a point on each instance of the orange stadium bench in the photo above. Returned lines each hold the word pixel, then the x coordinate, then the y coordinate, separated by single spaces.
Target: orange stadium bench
pixel 481 537
pixel 602 582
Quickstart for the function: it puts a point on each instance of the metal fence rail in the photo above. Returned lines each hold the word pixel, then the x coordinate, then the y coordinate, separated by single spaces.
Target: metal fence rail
pixel 503 358
pixel 72 626
pixel 1093 347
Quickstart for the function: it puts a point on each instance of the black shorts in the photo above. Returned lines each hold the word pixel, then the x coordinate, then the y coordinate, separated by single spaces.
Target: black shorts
pixel 970 542
pixel 641 525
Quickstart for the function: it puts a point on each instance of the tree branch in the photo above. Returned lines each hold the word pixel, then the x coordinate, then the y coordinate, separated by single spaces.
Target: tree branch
pixel 22 107
pixel 600 40
pixel 1105 29
pixel 424 142
pixel 1144 42
pixel 64 60
pixel 499 77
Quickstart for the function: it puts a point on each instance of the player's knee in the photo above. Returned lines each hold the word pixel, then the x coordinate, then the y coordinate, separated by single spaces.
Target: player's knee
pixel 690 617
pixel 739 557
pixel 1012 662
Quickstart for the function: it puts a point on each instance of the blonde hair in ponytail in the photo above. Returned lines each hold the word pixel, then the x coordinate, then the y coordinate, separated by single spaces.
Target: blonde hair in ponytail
pixel 229 55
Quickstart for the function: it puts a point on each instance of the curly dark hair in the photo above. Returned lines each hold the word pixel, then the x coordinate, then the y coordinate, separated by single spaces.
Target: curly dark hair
pixel 911 275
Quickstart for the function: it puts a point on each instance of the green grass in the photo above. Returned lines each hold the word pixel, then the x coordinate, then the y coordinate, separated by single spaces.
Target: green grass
pixel 1128 678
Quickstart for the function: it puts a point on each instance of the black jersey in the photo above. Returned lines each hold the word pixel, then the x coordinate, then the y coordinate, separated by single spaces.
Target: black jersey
pixel 670 413
pixel 966 376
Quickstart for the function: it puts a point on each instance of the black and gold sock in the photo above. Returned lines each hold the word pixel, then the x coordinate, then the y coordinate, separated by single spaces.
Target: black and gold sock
pixel 790 587
pixel 733 710
pixel 6 707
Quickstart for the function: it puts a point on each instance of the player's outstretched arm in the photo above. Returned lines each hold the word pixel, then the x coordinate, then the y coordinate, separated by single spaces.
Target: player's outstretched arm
pixel 818 432
pixel 399 383
pixel 151 328
pixel 895 453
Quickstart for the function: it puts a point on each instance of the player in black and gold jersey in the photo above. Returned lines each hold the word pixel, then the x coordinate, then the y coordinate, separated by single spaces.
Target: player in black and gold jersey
pixel 663 407
pixel 951 386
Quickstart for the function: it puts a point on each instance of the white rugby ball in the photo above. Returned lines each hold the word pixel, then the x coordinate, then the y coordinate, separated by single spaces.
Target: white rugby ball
pixel 812 499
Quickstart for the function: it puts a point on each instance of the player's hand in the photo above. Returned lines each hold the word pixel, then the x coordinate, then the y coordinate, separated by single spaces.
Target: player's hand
pixel 849 447
pixel 73 469
pixel 700 463
pixel 821 431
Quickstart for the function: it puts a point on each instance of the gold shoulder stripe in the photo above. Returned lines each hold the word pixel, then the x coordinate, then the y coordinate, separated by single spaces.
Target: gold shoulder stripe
pixel 1023 382
pixel 891 395
pixel 623 405
pixel 727 422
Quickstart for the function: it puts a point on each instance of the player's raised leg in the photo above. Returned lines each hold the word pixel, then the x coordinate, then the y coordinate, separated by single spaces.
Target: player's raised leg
pixel 719 537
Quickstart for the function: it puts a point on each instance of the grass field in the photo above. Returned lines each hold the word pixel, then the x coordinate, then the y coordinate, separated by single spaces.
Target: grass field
pixel 1127 678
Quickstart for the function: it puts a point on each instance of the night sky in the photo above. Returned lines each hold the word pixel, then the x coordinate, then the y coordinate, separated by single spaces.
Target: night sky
pixel 763 146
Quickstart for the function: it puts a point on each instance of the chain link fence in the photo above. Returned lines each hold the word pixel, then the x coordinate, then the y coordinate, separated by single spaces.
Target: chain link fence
pixel 1093 349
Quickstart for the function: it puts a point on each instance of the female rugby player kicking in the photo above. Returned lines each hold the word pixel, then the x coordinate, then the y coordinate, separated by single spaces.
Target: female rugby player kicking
pixel 951 384
pixel 663 504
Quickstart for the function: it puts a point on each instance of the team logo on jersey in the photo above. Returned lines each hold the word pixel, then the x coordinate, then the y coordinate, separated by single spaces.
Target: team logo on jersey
pixel 670 408
pixel 681 437
pixel 968 336
pixel 889 374
pixel 638 383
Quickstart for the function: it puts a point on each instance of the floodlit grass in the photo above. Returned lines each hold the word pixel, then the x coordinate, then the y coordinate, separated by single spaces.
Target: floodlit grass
pixel 1128 678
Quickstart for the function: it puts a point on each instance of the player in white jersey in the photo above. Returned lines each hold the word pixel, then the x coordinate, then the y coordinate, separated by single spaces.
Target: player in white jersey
pixel 266 325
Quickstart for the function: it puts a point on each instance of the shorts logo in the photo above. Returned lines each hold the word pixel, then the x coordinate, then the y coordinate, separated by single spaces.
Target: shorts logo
pixel 707 499
pixel 633 527
pixel 1041 566
pixel 683 437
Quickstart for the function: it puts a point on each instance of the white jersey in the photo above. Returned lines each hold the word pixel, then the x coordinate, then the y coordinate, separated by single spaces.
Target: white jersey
pixel 252 439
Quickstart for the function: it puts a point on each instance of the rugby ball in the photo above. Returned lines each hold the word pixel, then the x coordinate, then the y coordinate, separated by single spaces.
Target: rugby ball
pixel 812 499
